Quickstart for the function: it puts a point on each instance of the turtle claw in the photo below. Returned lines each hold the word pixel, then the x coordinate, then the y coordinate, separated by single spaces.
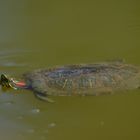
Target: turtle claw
pixel 43 97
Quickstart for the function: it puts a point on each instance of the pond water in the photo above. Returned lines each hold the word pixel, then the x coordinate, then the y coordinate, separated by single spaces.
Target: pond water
pixel 39 34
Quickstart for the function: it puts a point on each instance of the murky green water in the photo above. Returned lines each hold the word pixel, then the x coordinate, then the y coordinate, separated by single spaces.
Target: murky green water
pixel 37 34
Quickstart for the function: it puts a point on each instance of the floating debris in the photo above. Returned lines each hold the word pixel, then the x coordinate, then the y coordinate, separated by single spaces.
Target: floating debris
pixel 51 125
pixel 35 111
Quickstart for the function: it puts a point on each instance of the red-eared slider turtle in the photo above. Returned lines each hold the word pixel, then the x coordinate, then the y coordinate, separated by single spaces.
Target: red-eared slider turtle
pixel 84 79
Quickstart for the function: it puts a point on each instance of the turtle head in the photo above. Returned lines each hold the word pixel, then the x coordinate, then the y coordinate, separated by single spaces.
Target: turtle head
pixel 10 83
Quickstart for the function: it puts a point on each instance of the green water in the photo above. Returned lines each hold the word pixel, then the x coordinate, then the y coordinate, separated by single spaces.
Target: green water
pixel 37 34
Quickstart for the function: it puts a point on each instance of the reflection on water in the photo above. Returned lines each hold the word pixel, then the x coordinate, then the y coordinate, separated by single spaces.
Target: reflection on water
pixel 38 34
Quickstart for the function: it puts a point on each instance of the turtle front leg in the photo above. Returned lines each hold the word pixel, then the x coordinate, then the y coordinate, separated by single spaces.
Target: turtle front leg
pixel 40 90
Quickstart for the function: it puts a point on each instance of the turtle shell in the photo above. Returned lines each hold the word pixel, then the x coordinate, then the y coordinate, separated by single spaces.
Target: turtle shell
pixel 84 79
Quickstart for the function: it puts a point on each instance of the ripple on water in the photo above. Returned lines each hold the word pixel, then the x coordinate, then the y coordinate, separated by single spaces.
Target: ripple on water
pixel 8 103
pixel 11 64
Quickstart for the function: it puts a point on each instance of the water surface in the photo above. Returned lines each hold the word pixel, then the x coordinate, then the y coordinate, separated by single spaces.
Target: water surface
pixel 37 34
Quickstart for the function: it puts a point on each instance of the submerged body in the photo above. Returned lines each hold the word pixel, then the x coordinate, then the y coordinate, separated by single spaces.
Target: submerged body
pixel 92 79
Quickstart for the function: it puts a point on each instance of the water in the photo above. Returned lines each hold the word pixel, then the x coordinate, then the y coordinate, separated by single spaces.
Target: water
pixel 37 34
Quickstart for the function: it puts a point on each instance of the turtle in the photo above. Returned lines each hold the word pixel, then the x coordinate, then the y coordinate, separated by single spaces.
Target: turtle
pixel 77 80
